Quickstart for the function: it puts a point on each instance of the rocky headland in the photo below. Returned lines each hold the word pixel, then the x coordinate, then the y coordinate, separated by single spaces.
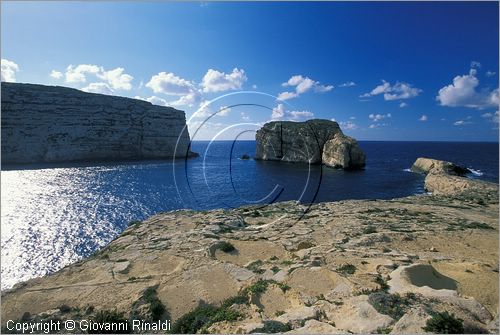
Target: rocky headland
pixel 60 124
pixel 312 141
pixel 408 265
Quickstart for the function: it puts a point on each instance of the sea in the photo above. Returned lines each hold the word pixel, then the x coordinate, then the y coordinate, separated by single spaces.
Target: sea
pixel 54 215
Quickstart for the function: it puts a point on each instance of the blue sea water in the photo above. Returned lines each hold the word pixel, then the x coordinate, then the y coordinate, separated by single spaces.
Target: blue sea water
pixel 55 215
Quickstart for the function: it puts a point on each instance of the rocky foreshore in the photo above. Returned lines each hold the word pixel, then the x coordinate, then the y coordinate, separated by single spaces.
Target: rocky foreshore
pixel 358 266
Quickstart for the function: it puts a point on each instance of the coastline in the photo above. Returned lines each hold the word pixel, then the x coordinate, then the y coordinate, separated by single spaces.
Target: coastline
pixel 352 246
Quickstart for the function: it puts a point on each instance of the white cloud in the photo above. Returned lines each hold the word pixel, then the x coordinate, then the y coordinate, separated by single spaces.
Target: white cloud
pixel 279 113
pixel 377 125
pixel 56 74
pixel 8 70
pixel 205 111
pixel 463 93
pixel 490 73
pixel 322 88
pixel 302 85
pixel 117 79
pixel 398 91
pixel 348 125
pixel 78 74
pixel 101 88
pixel 216 81
pixel 475 64
pixel 296 115
pixel 352 118
pixel 378 117
pixel 461 123
pixel 348 84
pixel 224 111
pixel 254 86
pixel 154 100
pixel 493 117
pixel 189 99
pixel 170 84
pixel 244 116
pixel 287 95
pixel 423 118
pixel 114 79
pixel 403 105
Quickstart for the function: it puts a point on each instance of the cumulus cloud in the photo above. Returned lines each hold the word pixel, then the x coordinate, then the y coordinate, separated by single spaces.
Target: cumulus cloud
pixel 77 74
pixel 244 116
pixel 8 70
pixel 423 118
pixel 189 99
pixel 280 114
pixel 111 80
pixel 216 81
pixel 154 100
pixel 297 115
pixel 377 125
pixel 189 92
pixel 378 117
pixel 56 74
pixel 348 84
pixel 287 95
pixel 206 110
pixel 348 125
pixel 475 64
pixel 461 123
pixel 398 91
pixel 170 84
pixel 116 78
pixel 224 111
pixel 302 85
pixel 464 92
pixel 403 105
pixel 101 88
pixel 490 73
pixel 492 117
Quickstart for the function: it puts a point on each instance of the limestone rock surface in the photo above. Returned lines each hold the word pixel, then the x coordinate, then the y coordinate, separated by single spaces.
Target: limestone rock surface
pixel 429 165
pixel 343 151
pixel 312 141
pixel 59 124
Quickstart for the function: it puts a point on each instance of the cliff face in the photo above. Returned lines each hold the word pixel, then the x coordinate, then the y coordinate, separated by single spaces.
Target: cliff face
pixel 55 124
pixel 315 141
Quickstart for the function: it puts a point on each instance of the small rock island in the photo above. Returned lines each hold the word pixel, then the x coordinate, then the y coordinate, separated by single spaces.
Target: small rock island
pixel 43 124
pixel 313 141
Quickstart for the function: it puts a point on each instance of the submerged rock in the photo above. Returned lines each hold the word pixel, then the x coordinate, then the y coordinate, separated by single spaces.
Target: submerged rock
pixel 312 141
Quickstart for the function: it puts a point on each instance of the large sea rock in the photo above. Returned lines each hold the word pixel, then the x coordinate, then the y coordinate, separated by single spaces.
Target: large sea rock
pixel 429 165
pixel 57 124
pixel 312 141
pixel 447 178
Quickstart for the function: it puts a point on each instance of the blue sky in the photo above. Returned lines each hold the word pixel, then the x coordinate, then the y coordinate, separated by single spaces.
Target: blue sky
pixel 384 71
